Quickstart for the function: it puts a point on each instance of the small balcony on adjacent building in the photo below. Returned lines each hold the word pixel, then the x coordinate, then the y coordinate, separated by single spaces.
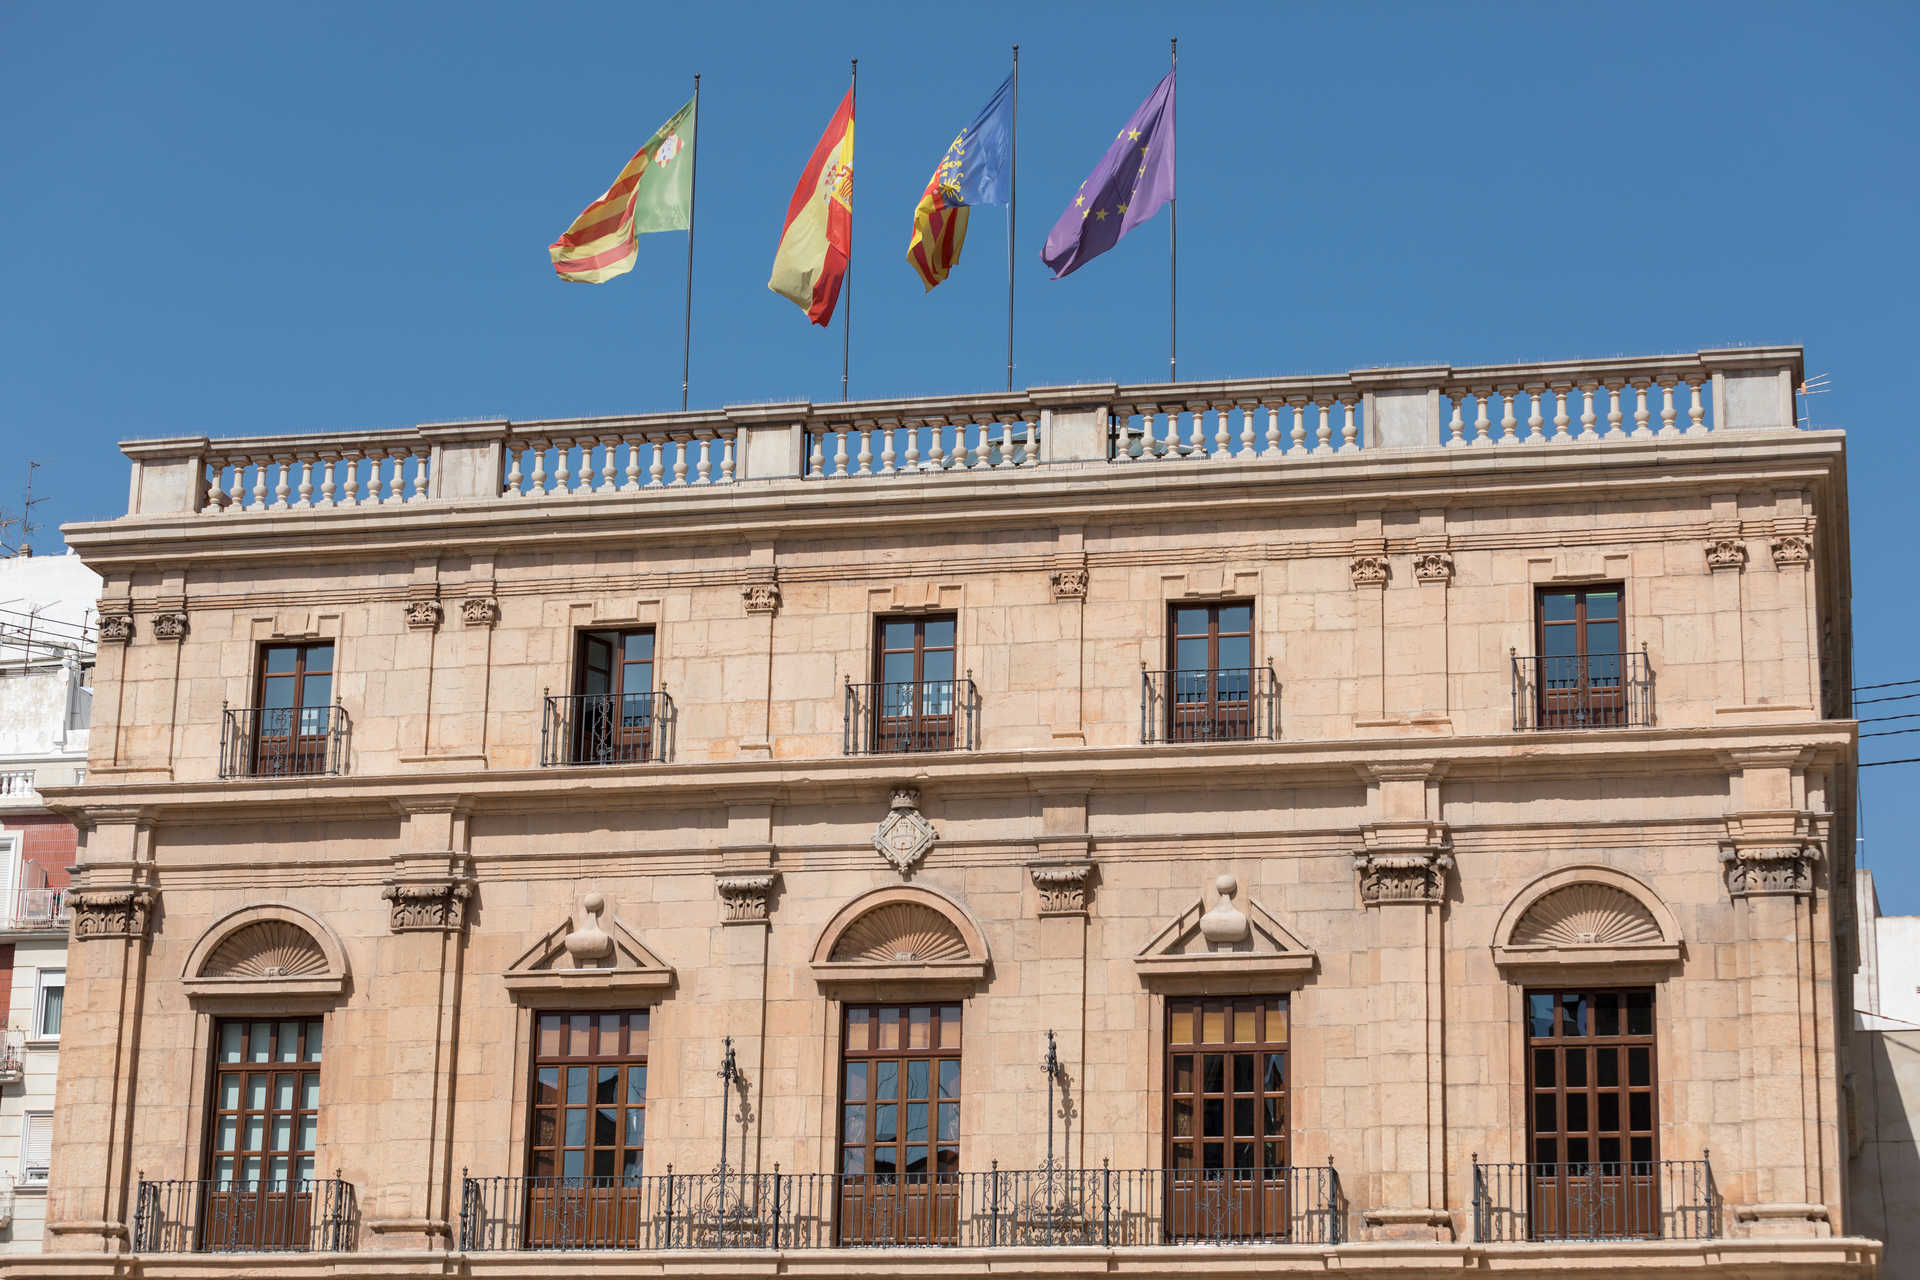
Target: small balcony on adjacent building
pixel 1234 704
pixel 13 1057
pixel 895 717
pixel 1582 691
pixel 1597 1201
pixel 605 728
pixel 31 910
pixel 275 742
pixel 257 1215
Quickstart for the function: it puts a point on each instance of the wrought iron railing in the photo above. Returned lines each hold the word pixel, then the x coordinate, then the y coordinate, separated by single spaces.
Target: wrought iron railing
pixel 999 1208
pixel 885 718
pixel 13 1057
pixel 40 908
pixel 1601 1200
pixel 606 728
pixel 273 742
pixel 208 1215
pixel 1583 691
pixel 1230 704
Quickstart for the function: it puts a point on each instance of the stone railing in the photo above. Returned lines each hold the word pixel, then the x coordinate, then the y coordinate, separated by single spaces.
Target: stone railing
pixel 1274 420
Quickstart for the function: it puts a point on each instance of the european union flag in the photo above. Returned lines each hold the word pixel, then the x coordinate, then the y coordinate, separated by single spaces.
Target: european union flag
pixel 977 169
pixel 1126 188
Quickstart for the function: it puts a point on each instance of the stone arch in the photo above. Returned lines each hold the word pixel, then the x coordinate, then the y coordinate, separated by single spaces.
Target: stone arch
pixel 1586 915
pixel 271 949
pixel 901 933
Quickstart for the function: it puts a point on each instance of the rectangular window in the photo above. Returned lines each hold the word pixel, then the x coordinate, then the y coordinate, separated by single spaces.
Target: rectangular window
pixel 1582 657
pixel 293 709
pixel 587 1130
pixel 48 1002
pixel 1592 1123
pixel 916 693
pixel 1210 675
pixel 1226 1118
pixel 613 716
pixel 263 1134
pixel 900 1124
pixel 36 1147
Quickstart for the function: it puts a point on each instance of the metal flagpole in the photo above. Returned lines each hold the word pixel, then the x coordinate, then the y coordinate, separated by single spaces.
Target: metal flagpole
pixel 693 199
pixel 846 284
pixel 1173 255
pixel 1013 206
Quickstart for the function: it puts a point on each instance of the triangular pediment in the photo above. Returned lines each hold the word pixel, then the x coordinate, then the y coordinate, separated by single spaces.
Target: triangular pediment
pixel 1261 955
pixel 623 962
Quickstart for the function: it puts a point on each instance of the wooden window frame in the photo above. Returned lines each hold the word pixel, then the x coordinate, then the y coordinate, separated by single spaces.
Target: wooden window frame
pixel 271 1211
pixel 604 728
pixel 1599 703
pixel 899 1206
pixel 1244 1202
pixel 623 1059
pixel 1224 709
pixel 308 750
pixel 919 729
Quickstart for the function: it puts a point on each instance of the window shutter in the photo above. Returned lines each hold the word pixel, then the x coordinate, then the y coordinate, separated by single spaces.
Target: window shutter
pixel 36 1145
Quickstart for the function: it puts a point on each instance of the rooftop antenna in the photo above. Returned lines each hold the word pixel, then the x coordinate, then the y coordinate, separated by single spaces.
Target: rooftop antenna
pixel 25 520
pixel 1817 385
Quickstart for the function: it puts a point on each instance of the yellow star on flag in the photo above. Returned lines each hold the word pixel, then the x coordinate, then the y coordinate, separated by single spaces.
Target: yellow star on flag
pixel 1099 215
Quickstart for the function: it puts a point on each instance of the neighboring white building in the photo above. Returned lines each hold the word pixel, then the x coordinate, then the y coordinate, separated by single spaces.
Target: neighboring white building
pixel 47 637
pixel 1884 1086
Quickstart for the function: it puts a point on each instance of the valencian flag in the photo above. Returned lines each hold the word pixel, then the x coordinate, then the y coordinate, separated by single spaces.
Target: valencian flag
pixel 1126 188
pixel 653 193
pixel 975 170
pixel 812 258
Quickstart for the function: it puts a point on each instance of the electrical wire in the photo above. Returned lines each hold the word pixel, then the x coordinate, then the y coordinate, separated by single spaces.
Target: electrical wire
pixel 1891 684
pixel 1872 764
pixel 1911 715
pixel 1888 733
pixel 1892 697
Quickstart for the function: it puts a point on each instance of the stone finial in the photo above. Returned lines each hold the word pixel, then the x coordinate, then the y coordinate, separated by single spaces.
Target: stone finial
pixel 1369 571
pixel 116 628
pixel 761 597
pixel 1418 875
pixel 1225 926
pixel 904 836
pixel 1791 548
pixel 171 625
pixel 1726 553
pixel 1069 584
pixel 747 898
pixel 1065 888
pixel 423 615
pixel 1433 566
pixel 479 611
pixel 590 942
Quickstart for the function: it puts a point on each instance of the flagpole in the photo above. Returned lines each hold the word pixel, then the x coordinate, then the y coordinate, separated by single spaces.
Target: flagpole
pixel 846 284
pixel 693 198
pixel 1013 206
pixel 1173 258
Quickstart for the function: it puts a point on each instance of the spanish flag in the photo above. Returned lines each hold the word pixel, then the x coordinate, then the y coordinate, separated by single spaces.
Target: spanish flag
pixel 653 193
pixel 812 258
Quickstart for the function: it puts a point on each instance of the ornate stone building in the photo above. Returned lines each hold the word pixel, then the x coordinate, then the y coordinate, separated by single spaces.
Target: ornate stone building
pixel 1388 821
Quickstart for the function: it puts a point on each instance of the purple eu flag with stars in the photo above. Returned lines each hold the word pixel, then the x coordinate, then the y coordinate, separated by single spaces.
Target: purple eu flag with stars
pixel 1126 188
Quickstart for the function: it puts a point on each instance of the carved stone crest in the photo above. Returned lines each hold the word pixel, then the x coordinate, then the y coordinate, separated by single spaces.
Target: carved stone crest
pixel 1065 887
pixel 761 597
pixel 1756 871
pixel 116 628
pixel 1433 566
pixel 1369 571
pixel 904 836
pixel 1410 876
pixel 423 615
pixel 438 906
pixel 747 898
pixel 111 913
pixel 1069 584
pixel 1726 553
pixel 479 611
pixel 1792 548
pixel 169 626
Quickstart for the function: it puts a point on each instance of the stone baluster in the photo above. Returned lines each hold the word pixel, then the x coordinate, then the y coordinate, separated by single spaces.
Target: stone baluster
pixel 1323 438
pixel 1197 436
pixel 538 487
pixel 1560 419
pixel 1482 427
pixel 1246 431
pixel 680 460
pixel 328 460
pixel 657 464
pixel 1222 440
pixel 237 495
pixel 397 479
pixel 630 474
pixel 1456 429
pixel 1273 431
pixel 216 501
pixel 967 444
pixel 1667 412
pixel 1299 406
pixel 609 447
pixel 726 459
pixel 1614 416
pixel 282 486
pixel 422 481
pixel 706 460
pixel 1641 431
pixel 911 461
pixel 816 456
pixel 839 452
pixel 866 450
pixel 514 474
pixel 1508 423
pixel 889 456
pixel 1349 429
pixel 259 483
pixel 1587 418
pixel 563 462
pixel 1696 412
pixel 937 445
pixel 584 479
pixel 1535 420
pixel 1150 445
pixel 305 491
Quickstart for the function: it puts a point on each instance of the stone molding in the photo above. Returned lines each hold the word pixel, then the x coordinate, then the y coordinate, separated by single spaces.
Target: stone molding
pixel 479 611
pixel 904 837
pixel 761 597
pixel 900 934
pixel 1585 915
pixel 1410 875
pixel 116 628
pixel 1755 871
pixel 1066 888
pixel 1433 567
pixel 171 625
pixel 268 952
pixel 1369 571
pixel 429 905
pixel 1224 950
pixel 1726 553
pixel 423 615
pixel 1069 584
pixel 119 912
pixel 746 897
pixel 585 963
pixel 1788 549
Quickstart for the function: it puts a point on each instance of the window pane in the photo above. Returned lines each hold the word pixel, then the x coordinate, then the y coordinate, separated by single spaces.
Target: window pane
pixel 1190 654
pixel 1603 604
pixel 1606 1067
pixel 546 1090
pixel 1236 617
pixel 578 1082
pixel 1603 637
pixel 313 1040
pixel 887 1080
pixel 283 1091
pixel 1640 1110
pixel 1543 1074
pixel 1214 1073
pixel 1181 1026
pixel 310 1090
pixel 1639 1065
pixel 636 1126
pixel 856 1087
pixel 950 1078
pixel 889 1029
pixel 1576 1112
pixel 639 646
pixel 1606 1014
pixel 576 1130
pixel 949 1122
pixel 1557 606
pixel 897 633
pixel 1639 1013
pixel 230 1034
pixel 1573 1015
pixel 918 1074
pixel 1189 620
pixel 939 633
pixel 853 1125
pixel 937 664
pixel 1235 651
pixel 580 1035
pixel 1182 1118
pixel 1243 1073
pixel 886 1122
pixel 636 1085
pixel 1244 1016
pixel 949 1026
pixel 857 1028
pixel 52 1001
pixel 260 1042
pixel 1213 1118
pixel 1576 1065
pixel 606 1087
pixel 316 691
pixel 916 1122
pixel 1213 1025
pixel 1539 1013
pixel 920 1030
pixel 1276 1072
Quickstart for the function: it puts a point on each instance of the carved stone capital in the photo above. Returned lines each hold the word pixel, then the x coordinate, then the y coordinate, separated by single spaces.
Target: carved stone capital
pixel 746 896
pixel 479 611
pixel 1433 566
pixel 125 911
pixel 423 615
pixel 1755 871
pixel 1369 571
pixel 171 625
pixel 1066 888
pixel 1069 584
pixel 428 906
pixel 904 836
pixel 1410 876
pixel 1791 548
pixel 116 628
pixel 761 597
pixel 1726 553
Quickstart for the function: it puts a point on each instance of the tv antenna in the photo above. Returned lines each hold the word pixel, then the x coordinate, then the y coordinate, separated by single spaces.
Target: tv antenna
pixel 1817 385
pixel 24 546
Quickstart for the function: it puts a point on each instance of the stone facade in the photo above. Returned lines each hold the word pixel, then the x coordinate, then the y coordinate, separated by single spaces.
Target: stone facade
pixel 1388 860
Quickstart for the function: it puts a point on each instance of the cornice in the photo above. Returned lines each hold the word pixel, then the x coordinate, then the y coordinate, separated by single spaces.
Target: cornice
pixel 1183 767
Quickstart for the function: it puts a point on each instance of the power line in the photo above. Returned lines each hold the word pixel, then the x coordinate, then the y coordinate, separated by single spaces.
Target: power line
pixel 1888 733
pixel 1911 715
pixel 1892 697
pixel 1891 684
pixel 1870 764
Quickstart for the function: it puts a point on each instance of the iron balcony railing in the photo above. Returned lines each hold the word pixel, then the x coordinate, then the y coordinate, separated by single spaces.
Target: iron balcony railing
pixel 1229 704
pixel 13 1057
pixel 606 728
pixel 1601 1200
pixel 1582 691
pixel 999 1208
pixel 275 742
pixel 911 716
pixel 36 909
pixel 207 1215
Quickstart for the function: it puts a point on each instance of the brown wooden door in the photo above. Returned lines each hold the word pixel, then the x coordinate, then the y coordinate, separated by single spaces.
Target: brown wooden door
pixel 900 1125
pixel 1580 674
pixel 293 711
pixel 259 1193
pixel 1226 1119
pixel 1209 673
pixel 613 720
pixel 588 1128
pixel 1592 1127
pixel 915 696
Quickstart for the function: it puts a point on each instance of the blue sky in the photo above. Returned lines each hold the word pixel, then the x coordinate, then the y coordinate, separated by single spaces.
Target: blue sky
pixel 263 218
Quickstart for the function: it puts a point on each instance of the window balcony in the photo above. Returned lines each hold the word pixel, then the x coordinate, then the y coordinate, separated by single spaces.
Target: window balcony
pixel 207 1215
pixel 1103 1208
pixel 277 742
pixel 605 728
pixel 13 1057
pixel 1229 704
pixel 1582 691
pixel 911 716
pixel 1598 1201
pixel 34 909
